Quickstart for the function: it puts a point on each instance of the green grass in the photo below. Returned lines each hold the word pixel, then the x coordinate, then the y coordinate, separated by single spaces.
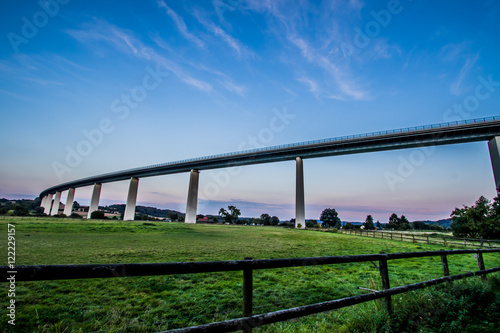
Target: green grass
pixel 149 304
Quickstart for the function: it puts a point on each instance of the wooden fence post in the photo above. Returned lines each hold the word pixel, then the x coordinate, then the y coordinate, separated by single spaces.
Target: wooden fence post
pixel 480 264
pixel 247 293
pixel 444 262
pixel 384 274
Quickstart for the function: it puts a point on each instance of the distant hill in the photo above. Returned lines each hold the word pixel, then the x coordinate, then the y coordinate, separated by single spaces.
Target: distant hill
pixel 444 222
pixel 353 223
pixel 151 211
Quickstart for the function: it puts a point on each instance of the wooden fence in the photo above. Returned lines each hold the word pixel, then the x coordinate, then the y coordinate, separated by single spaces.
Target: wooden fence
pixel 249 320
pixel 421 238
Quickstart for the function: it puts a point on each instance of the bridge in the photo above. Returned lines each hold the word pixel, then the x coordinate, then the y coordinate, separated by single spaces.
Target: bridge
pixel 482 129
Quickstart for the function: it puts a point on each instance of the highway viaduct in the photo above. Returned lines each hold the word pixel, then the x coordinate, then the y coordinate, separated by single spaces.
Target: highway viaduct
pixel 483 129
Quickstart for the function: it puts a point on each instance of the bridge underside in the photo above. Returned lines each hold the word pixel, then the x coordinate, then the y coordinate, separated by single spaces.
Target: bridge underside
pixel 432 135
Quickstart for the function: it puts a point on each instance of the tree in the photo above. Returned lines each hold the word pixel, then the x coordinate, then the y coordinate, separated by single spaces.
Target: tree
pixel 393 221
pixel 330 218
pixel 254 221
pixel 20 210
pixel 98 214
pixel 266 219
pixel 404 224
pixel 494 221
pixel 419 225
pixel 76 204
pixel 173 216
pixel 348 226
pixel 379 226
pixel 241 221
pixel 312 224
pixel 39 211
pixel 275 220
pixel 478 221
pixel 230 215
pixel 369 223
pixel 398 223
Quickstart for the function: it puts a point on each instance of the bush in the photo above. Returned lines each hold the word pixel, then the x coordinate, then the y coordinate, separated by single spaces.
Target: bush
pixel 312 224
pixel 75 216
pixel 98 214
pixel 469 305
pixel 348 226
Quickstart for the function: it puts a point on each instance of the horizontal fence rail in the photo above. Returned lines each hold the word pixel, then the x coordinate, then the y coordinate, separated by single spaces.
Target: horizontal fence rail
pixel 416 238
pixel 250 321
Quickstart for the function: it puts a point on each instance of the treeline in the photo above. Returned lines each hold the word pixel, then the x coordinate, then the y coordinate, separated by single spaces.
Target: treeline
pixel 482 220
pixel 23 207
pixel 232 216
pixel 330 219
pixel 140 211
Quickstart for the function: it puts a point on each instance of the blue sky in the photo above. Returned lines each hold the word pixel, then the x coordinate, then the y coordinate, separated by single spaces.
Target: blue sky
pixel 94 87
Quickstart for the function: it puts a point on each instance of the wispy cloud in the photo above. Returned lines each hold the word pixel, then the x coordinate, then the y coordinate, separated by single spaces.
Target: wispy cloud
pixel 42 82
pixel 223 79
pixel 455 87
pixel 181 25
pixel 125 42
pixel 160 42
pixel 318 91
pixel 453 52
pixel 311 84
pixel 290 24
pixel 240 50
pixel 383 50
pixel 232 87
pixel 314 57
pixel 233 43
pixel 13 94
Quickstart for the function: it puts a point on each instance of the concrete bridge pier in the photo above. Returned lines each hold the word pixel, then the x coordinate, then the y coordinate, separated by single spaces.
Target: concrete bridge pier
pixel 94 201
pixel 48 204
pixel 299 195
pixel 494 147
pixel 44 200
pixel 55 205
pixel 192 199
pixel 131 200
pixel 69 202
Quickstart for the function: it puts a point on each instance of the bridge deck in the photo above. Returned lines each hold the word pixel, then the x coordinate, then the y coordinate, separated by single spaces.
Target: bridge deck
pixel 482 129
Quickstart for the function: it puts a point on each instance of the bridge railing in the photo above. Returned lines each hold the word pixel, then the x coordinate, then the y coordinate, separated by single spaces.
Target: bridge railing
pixel 348 137
pixel 298 144
pixel 249 320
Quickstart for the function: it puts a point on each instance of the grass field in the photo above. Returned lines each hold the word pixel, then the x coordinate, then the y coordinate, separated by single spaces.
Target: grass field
pixel 149 304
